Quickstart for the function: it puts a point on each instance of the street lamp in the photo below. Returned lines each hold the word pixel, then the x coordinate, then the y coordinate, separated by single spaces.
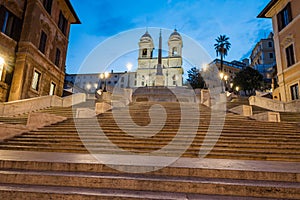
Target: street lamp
pixel 237 89
pixel 222 76
pixel 129 67
pixel 104 76
pixel 226 78
pixel 88 86
pixel 205 66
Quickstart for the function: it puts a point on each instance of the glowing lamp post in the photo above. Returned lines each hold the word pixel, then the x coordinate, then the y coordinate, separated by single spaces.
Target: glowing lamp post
pixel 205 66
pixel 237 89
pixel 129 67
pixel 222 76
pixel 226 78
pixel 104 76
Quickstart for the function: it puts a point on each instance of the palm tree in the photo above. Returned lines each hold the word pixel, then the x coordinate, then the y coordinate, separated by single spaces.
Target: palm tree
pixel 222 47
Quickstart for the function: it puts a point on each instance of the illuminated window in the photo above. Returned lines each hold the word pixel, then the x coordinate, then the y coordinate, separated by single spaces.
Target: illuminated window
pixel 36 80
pixel 52 88
pixel 1 71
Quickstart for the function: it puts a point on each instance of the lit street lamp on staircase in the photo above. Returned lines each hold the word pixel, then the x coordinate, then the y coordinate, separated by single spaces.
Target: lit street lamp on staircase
pixel 129 67
pixel 104 76
pixel 222 76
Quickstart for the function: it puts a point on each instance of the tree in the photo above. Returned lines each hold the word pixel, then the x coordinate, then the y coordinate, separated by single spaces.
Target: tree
pixel 195 79
pixel 248 79
pixel 222 47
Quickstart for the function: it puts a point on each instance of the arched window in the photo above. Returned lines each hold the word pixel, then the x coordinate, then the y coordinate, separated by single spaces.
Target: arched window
pixel 174 51
pixel 144 53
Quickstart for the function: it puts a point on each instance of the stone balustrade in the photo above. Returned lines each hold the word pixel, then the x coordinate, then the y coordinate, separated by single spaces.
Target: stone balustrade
pixel 13 108
pixel 274 105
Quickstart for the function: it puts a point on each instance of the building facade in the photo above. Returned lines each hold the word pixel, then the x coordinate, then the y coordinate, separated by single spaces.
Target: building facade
pixel 285 15
pixel 90 83
pixel 33 47
pixel 230 69
pixel 171 65
pixel 263 58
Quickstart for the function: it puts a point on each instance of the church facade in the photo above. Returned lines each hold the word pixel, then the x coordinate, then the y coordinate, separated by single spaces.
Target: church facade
pixel 148 65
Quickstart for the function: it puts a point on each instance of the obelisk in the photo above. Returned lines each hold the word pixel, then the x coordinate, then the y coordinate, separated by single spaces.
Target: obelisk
pixel 159 77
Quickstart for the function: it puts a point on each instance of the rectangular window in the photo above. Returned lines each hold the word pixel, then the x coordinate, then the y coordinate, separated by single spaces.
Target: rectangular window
pixel 57 57
pixel 271 55
pixel 1 69
pixel 48 5
pixel 295 92
pixel 289 51
pixel 62 23
pixel 7 27
pixel 36 80
pixel 10 24
pixel 43 40
pixel 270 44
pixel 52 88
pixel 284 17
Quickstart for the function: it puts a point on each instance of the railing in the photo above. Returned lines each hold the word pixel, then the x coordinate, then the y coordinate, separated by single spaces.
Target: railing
pixel 33 104
pixel 274 105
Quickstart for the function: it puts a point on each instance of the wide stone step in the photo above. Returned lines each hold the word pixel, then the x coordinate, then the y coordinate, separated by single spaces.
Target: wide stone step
pixel 185 176
pixel 223 153
pixel 154 183
pixel 154 143
pixel 229 142
pixel 196 167
pixel 29 192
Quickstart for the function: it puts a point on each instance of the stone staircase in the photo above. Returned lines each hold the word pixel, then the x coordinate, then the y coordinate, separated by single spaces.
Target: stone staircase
pixel 47 175
pixel 251 159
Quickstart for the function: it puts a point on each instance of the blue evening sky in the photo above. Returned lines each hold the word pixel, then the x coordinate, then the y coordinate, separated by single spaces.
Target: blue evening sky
pixel 202 20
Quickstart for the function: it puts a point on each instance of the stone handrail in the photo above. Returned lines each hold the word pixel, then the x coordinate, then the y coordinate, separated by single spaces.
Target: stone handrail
pixel 28 105
pixel 275 105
